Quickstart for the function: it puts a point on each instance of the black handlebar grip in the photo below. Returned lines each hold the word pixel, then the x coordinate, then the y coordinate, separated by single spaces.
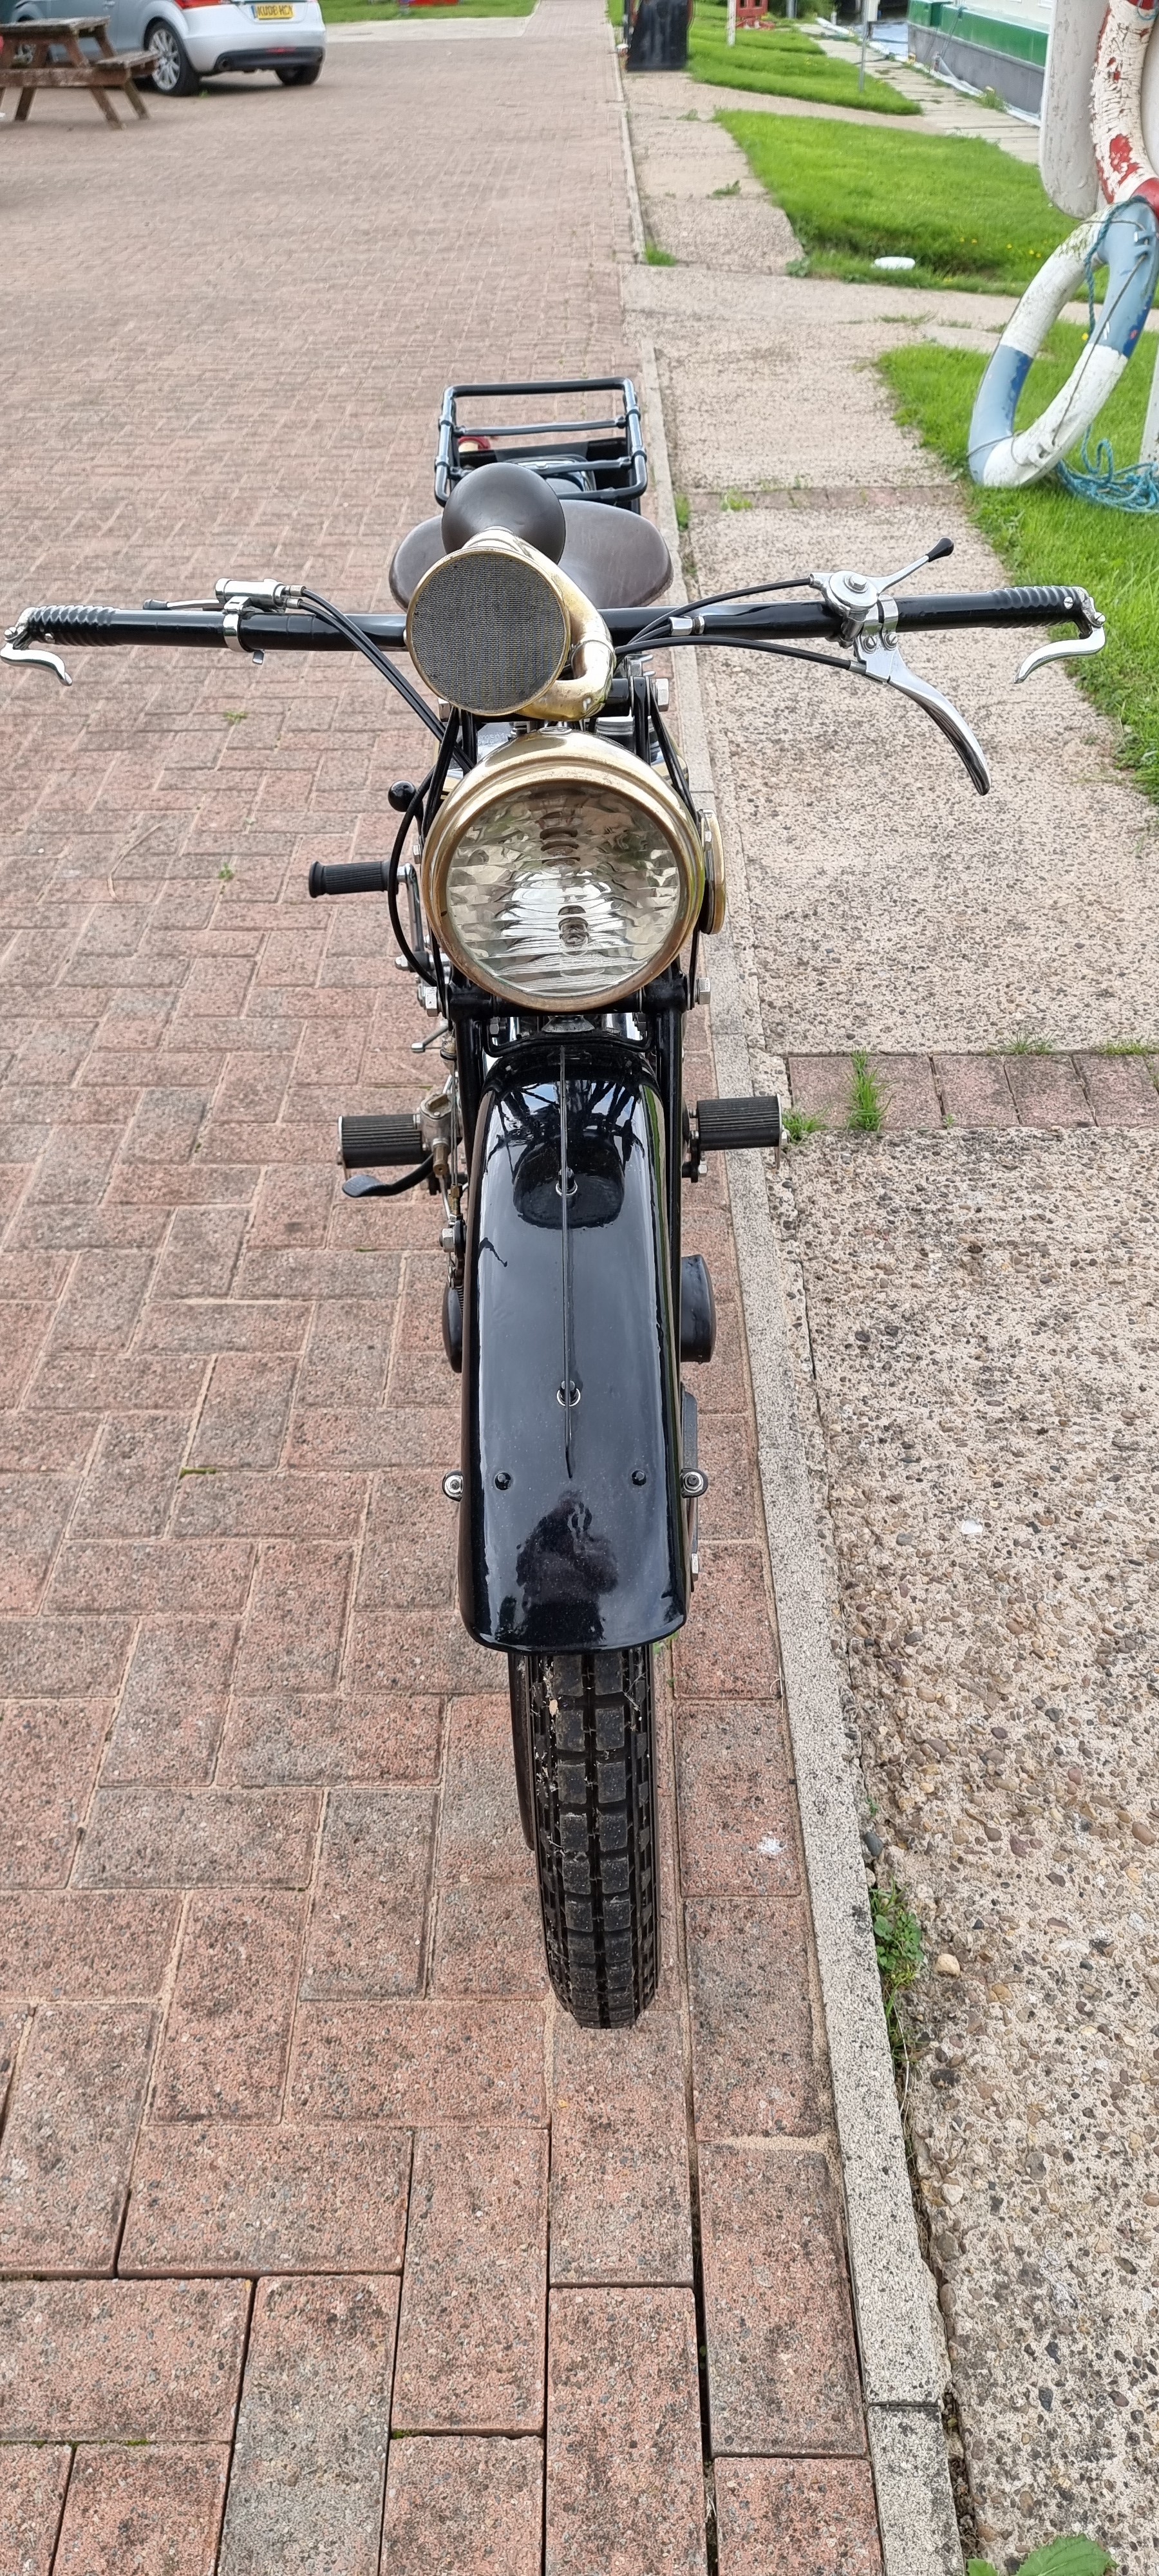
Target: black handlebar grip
pixel 365 1143
pixel 1034 605
pixel 71 624
pixel 362 876
pixel 1038 601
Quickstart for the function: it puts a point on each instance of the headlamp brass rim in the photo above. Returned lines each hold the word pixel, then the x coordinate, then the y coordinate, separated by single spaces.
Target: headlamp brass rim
pixel 715 898
pixel 561 759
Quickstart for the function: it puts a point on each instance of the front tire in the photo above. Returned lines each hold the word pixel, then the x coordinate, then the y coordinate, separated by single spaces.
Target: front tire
pixel 585 1746
pixel 173 73
pixel 299 75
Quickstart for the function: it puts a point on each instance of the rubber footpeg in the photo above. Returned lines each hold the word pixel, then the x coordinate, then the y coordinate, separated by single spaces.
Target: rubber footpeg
pixel 365 1143
pixel 730 1126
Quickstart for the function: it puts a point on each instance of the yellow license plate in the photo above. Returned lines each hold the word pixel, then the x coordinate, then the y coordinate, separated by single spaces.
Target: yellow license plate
pixel 274 9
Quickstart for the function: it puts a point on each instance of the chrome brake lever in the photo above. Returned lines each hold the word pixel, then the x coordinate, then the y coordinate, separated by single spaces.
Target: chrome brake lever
pixel 877 655
pixel 12 650
pixel 1070 648
pixel 869 628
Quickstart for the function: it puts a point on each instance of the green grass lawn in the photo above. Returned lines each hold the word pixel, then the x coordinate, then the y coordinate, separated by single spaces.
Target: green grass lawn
pixel 341 13
pixel 1043 534
pixel 966 212
pixel 781 62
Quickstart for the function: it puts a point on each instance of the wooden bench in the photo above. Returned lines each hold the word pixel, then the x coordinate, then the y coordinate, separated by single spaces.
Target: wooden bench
pixel 36 39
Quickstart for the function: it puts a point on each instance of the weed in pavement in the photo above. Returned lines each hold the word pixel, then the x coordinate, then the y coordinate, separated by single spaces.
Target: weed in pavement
pixel 658 258
pixel 683 512
pixel 866 1106
pixel 797 1124
pixel 964 210
pixel 1026 1046
pixel 1075 2556
pixel 1044 533
pixel 897 1939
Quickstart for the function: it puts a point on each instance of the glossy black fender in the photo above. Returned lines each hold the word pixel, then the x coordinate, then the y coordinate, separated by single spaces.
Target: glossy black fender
pixel 572 1534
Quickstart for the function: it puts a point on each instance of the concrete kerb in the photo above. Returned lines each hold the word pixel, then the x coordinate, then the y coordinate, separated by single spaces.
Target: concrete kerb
pixel 902 2376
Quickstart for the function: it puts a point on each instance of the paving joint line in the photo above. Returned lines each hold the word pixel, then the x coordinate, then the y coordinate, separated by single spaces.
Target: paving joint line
pixel 892 2288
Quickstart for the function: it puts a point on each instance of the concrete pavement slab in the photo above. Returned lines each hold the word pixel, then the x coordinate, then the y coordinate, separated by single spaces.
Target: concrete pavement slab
pixel 967 1310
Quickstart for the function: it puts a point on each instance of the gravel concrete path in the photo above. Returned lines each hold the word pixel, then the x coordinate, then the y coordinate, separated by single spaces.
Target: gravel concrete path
pixel 312 2211
pixel 975 1331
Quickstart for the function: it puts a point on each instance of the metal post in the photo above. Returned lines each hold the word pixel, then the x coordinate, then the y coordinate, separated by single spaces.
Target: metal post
pixel 731 24
pixel 864 42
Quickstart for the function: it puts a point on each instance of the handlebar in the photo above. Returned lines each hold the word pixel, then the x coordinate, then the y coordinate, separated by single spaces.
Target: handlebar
pixel 356 876
pixel 254 630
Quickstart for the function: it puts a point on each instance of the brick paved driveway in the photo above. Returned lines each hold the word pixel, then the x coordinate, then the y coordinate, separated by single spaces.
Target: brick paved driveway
pixel 316 2223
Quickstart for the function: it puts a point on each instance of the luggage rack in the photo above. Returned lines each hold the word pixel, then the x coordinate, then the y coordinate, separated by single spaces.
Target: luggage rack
pixel 597 460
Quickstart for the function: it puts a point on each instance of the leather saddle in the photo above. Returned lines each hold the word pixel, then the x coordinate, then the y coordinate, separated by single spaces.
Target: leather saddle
pixel 617 559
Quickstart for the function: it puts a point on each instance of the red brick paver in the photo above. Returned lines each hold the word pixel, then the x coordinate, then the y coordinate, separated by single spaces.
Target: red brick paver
pixel 382 2264
pixel 813 2516
pixel 150 2508
pixel 459 2505
pixel 120 2361
pixel 781 2367
pixel 470 2340
pixel 310 2456
pixel 623 2435
pixel 69 2139
pixel 33 2479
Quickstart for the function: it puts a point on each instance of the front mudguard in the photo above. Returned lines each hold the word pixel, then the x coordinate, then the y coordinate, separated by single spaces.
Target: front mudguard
pixel 558 1557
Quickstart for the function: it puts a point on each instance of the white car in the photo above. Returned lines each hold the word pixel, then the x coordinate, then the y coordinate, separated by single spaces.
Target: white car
pixel 192 39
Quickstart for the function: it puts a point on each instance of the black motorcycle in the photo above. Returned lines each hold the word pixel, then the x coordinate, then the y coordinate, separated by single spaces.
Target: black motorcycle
pixel 561 881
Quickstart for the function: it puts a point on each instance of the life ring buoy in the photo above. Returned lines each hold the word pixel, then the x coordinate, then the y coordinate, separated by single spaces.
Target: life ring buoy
pixel 1128 239
pixel 1121 156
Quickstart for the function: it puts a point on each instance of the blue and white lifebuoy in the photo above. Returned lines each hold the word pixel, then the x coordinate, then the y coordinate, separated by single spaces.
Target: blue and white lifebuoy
pixel 1127 239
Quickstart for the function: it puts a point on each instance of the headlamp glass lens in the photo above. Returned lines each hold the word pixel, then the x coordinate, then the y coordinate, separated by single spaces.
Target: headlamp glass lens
pixel 561 894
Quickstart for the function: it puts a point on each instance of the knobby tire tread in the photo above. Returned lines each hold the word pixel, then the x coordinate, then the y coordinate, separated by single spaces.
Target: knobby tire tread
pixel 591 1724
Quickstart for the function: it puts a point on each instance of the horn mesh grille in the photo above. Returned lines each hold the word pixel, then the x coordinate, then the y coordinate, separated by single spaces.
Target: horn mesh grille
pixel 487 632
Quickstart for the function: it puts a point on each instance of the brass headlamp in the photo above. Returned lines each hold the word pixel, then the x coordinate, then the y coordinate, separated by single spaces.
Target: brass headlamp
pixel 563 874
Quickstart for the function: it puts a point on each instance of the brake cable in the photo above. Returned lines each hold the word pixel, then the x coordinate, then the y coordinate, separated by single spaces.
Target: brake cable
pixel 651 635
pixel 345 626
pixel 413 810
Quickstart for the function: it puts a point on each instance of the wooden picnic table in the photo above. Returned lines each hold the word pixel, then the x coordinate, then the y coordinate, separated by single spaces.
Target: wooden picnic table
pixel 98 73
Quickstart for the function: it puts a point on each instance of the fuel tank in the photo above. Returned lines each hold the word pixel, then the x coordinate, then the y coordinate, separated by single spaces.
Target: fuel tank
pixel 572 1535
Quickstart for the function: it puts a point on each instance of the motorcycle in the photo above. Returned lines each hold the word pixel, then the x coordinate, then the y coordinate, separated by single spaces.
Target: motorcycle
pixel 549 887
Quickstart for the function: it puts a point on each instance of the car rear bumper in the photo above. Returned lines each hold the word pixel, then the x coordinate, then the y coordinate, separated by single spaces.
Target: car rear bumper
pixel 267 58
pixel 227 38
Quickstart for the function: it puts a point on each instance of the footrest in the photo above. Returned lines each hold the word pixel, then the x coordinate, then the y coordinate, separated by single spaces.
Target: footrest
pixel 365 1143
pixel 729 1126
